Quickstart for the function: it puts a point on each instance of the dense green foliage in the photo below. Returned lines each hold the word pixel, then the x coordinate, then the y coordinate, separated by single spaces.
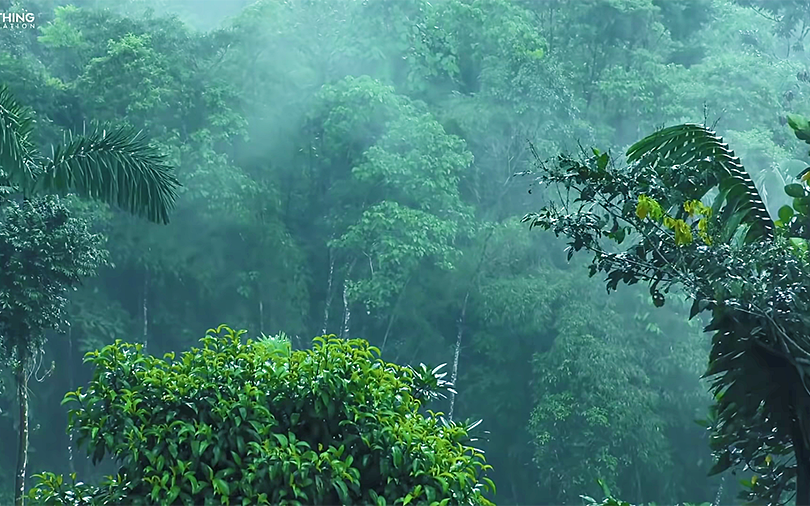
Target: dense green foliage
pixel 732 261
pixel 258 423
pixel 33 234
pixel 46 252
pixel 346 168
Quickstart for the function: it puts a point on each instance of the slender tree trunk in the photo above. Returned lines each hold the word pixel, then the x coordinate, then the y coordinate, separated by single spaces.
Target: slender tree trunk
pixel 458 352
pixel 22 399
pixel 462 317
pixel 719 494
pixel 344 333
pixel 328 292
pixel 261 317
pixel 71 464
pixel 145 310
pixel 346 314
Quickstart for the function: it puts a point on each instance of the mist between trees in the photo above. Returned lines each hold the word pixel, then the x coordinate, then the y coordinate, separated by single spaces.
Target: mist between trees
pixel 414 179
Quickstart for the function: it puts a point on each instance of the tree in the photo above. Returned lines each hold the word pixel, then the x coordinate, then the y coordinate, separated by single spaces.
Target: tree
pixel 383 176
pixel 792 18
pixel 733 259
pixel 533 320
pixel 258 423
pixel 43 251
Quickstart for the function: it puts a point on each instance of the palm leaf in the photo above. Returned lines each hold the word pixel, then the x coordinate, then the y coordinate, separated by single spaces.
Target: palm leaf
pixel 702 162
pixel 17 164
pixel 117 167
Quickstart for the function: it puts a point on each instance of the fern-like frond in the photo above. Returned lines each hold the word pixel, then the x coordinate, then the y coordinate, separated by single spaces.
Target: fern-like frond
pixel 17 154
pixel 117 167
pixel 694 159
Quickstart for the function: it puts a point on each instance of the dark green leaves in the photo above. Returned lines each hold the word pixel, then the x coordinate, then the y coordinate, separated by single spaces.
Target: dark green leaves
pixel 16 148
pixel 693 159
pixel 796 190
pixel 754 285
pixel 800 126
pixel 430 384
pixel 698 306
pixel 785 213
pixel 658 299
pixel 44 253
pixel 117 167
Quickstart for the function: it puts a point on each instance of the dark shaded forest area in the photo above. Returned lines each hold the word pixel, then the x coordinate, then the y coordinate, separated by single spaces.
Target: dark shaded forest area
pixel 367 169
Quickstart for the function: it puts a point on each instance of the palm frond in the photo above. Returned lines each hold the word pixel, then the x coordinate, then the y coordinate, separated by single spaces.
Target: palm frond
pixel 117 167
pixel 16 149
pixel 694 159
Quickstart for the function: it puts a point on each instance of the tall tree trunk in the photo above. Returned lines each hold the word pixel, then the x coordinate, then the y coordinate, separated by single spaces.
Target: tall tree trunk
pixel 461 317
pixel 719 494
pixel 145 310
pixel 328 292
pixel 261 316
pixel 458 352
pixel 260 293
pixel 71 464
pixel 22 399
pixel 344 332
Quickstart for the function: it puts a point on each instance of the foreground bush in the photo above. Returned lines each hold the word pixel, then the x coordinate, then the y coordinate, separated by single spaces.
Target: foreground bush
pixel 257 423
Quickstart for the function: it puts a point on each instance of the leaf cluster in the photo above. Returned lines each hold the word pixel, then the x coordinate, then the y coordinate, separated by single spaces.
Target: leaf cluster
pixel 256 423
pixel 116 166
pixel 44 253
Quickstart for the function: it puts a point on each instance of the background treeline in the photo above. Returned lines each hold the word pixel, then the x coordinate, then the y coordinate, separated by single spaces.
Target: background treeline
pixel 346 169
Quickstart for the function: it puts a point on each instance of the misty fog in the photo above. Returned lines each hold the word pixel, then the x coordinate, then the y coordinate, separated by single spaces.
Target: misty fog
pixel 352 168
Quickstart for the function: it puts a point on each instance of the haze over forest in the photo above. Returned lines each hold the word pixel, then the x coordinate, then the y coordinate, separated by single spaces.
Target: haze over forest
pixel 353 167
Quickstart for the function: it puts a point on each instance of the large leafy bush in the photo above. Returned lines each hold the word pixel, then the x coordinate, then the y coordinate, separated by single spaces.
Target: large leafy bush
pixel 258 423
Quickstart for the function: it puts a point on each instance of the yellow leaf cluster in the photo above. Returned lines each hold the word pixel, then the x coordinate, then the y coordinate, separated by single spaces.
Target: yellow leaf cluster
pixel 649 207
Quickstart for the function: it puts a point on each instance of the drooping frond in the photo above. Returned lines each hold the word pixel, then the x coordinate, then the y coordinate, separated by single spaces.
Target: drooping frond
pixel 117 167
pixel 16 150
pixel 694 159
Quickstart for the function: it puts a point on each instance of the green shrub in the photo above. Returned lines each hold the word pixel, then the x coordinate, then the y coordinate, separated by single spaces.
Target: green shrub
pixel 257 423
